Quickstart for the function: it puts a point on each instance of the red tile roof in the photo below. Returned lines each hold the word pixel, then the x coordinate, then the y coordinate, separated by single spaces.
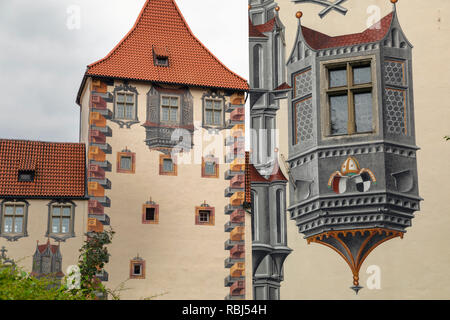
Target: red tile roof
pixel 283 86
pixel 277 174
pixel 318 40
pixel 266 27
pixel 254 174
pixel 59 169
pixel 253 31
pixel 161 25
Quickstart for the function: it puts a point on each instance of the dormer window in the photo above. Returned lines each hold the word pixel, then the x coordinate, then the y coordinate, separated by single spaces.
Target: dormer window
pixel 162 61
pixel 26 175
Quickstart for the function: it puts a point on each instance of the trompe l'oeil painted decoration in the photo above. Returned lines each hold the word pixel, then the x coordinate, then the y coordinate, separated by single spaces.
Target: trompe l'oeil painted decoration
pixel 329 5
pixel 351 172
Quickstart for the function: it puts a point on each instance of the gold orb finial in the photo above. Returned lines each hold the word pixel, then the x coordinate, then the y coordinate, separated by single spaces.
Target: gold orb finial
pixel 277 8
pixel 394 1
pixel 299 14
pixel 249 7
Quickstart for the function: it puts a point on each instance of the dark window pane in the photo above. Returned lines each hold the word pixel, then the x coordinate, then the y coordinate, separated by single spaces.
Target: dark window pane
pixel 150 214
pixel 256 64
pixel 125 163
pixel 204 216
pixel 363 112
pixel 168 165
pixel 362 75
pixel 338 78
pixel 339 114
pixel 137 269
pixel 210 168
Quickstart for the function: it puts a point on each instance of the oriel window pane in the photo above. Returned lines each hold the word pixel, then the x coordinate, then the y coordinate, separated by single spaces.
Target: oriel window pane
pixel 338 78
pixel 55 225
pixel 217 115
pixel 173 114
pixel 363 112
pixel 339 114
pixel 362 75
pixel 9 210
pixel 120 97
pixel 165 114
pixel 18 222
pixel 8 225
pixel 65 225
pixel 120 110
pixel 56 211
pixel 66 212
pixel 209 116
pixel 129 112
pixel 19 210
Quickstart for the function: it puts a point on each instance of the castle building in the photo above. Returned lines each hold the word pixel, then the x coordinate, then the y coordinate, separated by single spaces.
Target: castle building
pixel 163 122
pixel 43 199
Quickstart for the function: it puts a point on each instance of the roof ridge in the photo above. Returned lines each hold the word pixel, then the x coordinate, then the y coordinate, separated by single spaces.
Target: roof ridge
pixel 189 34
pixel 201 44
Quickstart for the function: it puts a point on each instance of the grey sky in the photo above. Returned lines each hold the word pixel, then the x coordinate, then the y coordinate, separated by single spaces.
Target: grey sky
pixel 42 61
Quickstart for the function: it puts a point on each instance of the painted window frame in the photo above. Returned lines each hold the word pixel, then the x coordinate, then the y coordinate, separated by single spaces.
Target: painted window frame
pixel 162 172
pixel 137 261
pixel 211 219
pixel 144 212
pixel 14 236
pixel 350 89
pixel 216 167
pixel 61 236
pixel 122 154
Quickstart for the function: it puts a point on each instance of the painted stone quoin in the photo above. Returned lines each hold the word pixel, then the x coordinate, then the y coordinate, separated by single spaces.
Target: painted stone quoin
pixel 351 138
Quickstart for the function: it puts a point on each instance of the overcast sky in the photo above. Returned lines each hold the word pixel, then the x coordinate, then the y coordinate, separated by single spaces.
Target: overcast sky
pixel 44 53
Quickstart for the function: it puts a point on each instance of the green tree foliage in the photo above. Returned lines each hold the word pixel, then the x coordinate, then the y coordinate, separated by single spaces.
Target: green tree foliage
pixel 16 284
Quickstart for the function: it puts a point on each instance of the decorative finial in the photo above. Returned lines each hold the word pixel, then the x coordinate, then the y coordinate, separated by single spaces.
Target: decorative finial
pixel 277 8
pixel 356 287
pixel 249 7
pixel 394 1
pixel 299 14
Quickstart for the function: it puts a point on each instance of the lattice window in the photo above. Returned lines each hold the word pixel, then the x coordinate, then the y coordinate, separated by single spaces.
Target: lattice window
pixel 304 121
pixel 303 83
pixel 394 72
pixel 396 111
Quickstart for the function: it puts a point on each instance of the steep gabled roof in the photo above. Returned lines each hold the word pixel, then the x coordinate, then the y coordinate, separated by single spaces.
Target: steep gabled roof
pixel 317 40
pixel 161 27
pixel 59 169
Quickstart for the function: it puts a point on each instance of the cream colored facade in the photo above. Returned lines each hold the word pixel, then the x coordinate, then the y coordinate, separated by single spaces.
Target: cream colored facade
pixel 183 260
pixel 417 266
pixel 22 250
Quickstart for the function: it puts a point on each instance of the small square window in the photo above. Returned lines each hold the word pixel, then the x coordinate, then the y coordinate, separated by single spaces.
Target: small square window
pixel 167 165
pixel 126 162
pixel 137 268
pixel 150 214
pixel 204 215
